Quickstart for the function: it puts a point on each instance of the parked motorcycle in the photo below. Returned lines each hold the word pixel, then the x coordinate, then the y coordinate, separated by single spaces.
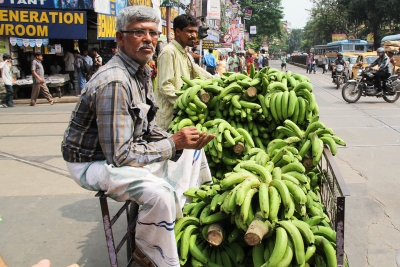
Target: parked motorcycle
pixel 364 85
pixel 340 77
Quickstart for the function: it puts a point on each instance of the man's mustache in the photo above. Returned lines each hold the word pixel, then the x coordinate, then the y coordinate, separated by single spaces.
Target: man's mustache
pixel 147 46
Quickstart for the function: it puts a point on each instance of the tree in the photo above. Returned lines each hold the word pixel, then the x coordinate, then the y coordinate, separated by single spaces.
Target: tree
pixel 294 40
pixel 267 16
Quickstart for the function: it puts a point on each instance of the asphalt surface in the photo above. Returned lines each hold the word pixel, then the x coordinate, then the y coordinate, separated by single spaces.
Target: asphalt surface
pixel 46 215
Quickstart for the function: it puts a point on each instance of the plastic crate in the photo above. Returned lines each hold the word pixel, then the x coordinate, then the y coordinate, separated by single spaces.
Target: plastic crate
pixel 333 192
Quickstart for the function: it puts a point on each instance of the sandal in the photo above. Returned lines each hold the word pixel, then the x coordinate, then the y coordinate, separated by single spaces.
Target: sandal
pixel 141 259
pixel 51 102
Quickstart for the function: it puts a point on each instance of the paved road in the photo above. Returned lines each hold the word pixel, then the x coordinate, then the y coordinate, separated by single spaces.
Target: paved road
pixel 46 215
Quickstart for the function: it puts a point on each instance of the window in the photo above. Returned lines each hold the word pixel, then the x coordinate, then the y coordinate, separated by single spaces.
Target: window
pixel 348 47
pixel 359 47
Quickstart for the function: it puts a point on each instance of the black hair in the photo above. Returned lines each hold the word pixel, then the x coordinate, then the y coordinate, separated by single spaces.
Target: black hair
pixel 184 20
pixel 37 54
pixel 95 49
pixel 210 50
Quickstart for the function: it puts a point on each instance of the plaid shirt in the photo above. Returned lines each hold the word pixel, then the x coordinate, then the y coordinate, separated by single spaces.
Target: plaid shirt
pixel 114 119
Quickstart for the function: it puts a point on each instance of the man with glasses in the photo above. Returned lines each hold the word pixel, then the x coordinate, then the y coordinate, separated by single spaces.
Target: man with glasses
pixel 173 63
pixel 113 144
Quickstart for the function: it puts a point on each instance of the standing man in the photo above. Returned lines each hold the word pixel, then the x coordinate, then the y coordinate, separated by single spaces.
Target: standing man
pixel 210 62
pixel 173 63
pixel 309 63
pixel 233 62
pixel 87 58
pixel 39 85
pixel 78 64
pixel 98 61
pixel 7 101
pixel 392 61
pixel 263 60
pixel 113 144
pixel 324 63
pixel 283 59
pixel 69 68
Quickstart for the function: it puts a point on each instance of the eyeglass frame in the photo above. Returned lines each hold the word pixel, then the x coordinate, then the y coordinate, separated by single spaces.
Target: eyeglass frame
pixel 150 32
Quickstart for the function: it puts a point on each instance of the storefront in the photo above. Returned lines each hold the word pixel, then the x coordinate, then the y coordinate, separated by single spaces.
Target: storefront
pixel 45 26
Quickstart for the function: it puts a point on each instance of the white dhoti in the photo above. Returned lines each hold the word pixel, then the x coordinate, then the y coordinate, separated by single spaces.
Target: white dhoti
pixel 157 188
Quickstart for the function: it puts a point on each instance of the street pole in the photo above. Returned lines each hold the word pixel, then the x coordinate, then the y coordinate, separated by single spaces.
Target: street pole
pixel 201 52
pixel 168 18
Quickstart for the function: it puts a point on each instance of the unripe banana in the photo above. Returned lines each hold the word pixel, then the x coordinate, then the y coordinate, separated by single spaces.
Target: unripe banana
pixel 297 240
pixel 274 203
pixel 281 243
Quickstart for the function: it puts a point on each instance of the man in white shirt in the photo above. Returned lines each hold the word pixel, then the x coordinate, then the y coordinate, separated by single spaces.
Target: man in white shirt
pixel 7 101
pixel 69 60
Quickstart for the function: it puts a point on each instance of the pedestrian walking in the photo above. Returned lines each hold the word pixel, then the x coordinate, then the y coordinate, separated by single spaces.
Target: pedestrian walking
pixel 97 60
pixel 309 63
pixel 263 59
pixel 324 63
pixel 39 85
pixel 233 62
pixel 80 71
pixel 283 59
pixel 313 64
pixel 7 100
pixel 210 62
pixel 221 65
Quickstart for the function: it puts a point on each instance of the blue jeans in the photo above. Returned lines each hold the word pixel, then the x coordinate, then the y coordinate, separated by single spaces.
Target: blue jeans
pixel 81 80
pixel 8 99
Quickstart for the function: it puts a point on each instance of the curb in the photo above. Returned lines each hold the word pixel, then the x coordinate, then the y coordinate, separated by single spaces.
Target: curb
pixel 63 99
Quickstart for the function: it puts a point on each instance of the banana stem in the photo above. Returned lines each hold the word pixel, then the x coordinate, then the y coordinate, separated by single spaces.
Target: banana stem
pixel 251 91
pixel 215 234
pixel 257 230
pixel 204 96
pixel 238 148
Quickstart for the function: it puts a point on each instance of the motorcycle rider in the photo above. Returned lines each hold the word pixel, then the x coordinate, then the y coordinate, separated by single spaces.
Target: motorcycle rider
pixel 384 69
pixel 338 61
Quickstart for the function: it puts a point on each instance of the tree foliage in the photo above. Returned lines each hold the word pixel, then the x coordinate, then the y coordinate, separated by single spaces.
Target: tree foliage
pixel 267 16
pixel 294 40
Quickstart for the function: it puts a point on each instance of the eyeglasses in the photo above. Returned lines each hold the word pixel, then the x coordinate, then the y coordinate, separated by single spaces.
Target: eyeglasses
pixel 141 33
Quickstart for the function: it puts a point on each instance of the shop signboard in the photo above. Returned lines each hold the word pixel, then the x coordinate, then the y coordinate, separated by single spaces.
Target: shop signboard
pixel 54 24
pixel 338 37
pixel 207 44
pixel 247 14
pixel 253 29
pixel 169 3
pixel 106 27
pixel 61 4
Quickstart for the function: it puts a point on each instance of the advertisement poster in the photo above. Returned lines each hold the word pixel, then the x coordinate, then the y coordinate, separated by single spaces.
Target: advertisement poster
pixel 234 32
pixel 253 29
pixel 247 14
pixel 338 37
pixel 214 9
pixel 60 4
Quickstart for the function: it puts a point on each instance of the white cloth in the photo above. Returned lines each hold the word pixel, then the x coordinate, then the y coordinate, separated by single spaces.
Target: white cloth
pixel 6 72
pixel 158 189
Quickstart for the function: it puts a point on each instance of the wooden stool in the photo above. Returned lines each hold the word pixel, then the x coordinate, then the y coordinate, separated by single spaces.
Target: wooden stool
pixel 131 209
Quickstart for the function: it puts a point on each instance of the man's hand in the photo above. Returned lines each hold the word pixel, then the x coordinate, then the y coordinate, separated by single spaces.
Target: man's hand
pixel 189 138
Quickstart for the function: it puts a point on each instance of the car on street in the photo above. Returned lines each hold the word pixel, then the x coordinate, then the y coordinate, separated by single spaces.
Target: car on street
pixel 362 61
pixel 351 60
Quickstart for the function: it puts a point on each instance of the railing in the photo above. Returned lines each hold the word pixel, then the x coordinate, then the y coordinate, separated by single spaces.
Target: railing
pixel 333 192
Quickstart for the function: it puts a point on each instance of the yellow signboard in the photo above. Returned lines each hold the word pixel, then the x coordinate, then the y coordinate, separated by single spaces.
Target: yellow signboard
pixel 338 37
pixel 106 26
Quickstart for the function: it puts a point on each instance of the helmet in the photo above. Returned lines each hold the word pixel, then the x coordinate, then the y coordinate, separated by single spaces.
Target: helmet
pixel 380 50
pixel 339 54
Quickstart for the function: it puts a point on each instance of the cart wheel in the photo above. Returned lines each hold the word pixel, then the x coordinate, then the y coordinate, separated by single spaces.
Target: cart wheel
pixel 130 244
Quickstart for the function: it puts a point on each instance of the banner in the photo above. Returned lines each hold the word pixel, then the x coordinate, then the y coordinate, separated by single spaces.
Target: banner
pixel 241 28
pixel 247 14
pixel 338 37
pixel 59 4
pixel 43 23
pixel 169 3
pixel 214 9
pixel 253 29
